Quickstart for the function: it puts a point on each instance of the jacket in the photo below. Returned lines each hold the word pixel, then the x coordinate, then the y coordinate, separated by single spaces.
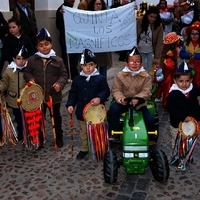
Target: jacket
pixel 11 43
pixel 3 26
pixel 126 85
pixel 82 92
pixel 157 40
pixel 46 74
pixel 13 83
pixel 104 59
pixel 179 106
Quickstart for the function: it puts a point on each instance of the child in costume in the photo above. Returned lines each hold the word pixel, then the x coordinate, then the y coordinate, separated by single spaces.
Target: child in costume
pixel 48 70
pixel 182 102
pixel 13 81
pixel 183 108
pixel 132 81
pixel 168 65
pixel 190 50
pixel 89 86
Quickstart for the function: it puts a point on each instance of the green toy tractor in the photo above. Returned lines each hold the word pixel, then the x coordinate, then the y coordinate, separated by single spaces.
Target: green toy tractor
pixel 138 148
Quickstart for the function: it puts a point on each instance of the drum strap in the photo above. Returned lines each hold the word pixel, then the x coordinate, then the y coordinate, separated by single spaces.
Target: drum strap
pixel 71 123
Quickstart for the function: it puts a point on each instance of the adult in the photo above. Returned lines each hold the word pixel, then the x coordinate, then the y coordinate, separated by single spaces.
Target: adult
pixel 70 60
pixel 3 32
pixel 190 50
pixel 150 36
pixel 190 15
pixel 166 16
pixel 116 4
pixel 26 16
pixel 104 59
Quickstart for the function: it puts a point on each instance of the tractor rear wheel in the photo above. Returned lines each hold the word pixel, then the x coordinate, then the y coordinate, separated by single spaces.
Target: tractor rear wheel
pixel 110 167
pixel 159 164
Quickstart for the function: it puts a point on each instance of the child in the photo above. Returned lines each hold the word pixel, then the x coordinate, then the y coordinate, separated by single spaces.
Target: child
pixel 89 86
pixel 169 65
pixel 15 38
pixel 132 81
pixel 182 102
pixel 13 82
pixel 48 70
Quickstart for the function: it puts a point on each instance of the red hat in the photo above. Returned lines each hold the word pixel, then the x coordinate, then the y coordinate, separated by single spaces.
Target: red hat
pixel 194 26
pixel 171 38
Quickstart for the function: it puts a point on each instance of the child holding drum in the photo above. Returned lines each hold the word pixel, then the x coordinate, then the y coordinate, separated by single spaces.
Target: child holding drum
pixel 89 86
pixel 182 102
pixel 13 81
pixel 48 70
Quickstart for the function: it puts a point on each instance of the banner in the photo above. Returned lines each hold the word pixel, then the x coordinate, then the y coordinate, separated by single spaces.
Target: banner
pixel 100 31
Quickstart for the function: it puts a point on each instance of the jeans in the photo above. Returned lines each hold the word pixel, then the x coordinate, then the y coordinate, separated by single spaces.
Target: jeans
pixel 147 56
pixel 117 109
pixel 73 60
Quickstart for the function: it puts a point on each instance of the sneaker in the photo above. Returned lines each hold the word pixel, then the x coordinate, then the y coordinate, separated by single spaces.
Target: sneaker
pixel 81 155
pixel 59 142
pixel 157 100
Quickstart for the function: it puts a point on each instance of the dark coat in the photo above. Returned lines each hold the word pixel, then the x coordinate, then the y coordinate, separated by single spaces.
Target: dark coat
pixel 3 26
pixel 11 42
pixel 28 23
pixel 179 106
pixel 82 92
pixel 45 75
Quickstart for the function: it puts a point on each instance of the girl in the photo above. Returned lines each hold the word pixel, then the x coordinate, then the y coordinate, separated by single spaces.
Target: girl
pixel 13 81
pixel 190 50
pixel 169 63
pixel 150 36
pixel 14 39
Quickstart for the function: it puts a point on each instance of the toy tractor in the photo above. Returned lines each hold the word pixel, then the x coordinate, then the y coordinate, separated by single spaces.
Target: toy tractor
pixel 138 148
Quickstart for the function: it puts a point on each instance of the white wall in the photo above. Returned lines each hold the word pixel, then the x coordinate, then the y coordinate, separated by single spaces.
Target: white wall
pixel 4 5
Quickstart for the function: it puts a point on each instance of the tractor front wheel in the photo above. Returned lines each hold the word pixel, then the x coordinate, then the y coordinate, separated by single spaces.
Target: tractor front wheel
pixel 159 165
pixel 110 167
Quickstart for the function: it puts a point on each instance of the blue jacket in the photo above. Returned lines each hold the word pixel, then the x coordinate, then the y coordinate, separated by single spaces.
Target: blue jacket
pixel 82 92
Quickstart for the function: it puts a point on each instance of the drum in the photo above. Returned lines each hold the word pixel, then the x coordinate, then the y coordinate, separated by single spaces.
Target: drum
pixel 31 97
pixel 189 129
pixel 94 114
pixel 96 129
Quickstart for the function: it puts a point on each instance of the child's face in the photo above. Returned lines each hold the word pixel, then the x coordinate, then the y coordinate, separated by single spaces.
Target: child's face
pixel 134 63
pixel 194 35
pixel 88 68
pixel 44 47
pixel 14 29
pixel 20 61
pixel 183 82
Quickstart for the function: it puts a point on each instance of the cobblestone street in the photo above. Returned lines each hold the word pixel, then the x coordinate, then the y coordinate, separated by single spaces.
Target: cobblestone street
pixel 55 175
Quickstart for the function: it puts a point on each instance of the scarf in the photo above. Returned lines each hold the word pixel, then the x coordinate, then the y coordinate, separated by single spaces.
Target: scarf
pixel 51 53
pixel 185 92
pixel 94 73
pixel 13 66
pixel 133 73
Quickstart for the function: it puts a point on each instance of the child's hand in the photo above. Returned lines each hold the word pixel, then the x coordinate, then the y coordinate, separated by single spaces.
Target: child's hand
pixel 57 87
pixel 134 102
pixel 121 101
pixel 96 101
pixel 187 119
pixel 70 109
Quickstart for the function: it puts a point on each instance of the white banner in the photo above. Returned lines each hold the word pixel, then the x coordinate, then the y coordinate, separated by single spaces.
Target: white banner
pixel 100 31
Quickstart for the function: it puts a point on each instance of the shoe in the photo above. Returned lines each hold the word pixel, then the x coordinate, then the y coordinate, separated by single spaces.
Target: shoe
pixel 59 142
pixel 157 100
pixel 81 155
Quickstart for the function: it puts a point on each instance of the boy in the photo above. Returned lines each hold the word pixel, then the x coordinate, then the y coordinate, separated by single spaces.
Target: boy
pixel 89 86
pixel 132 81
pixel 13 81
pixel 182 102
pixel 47 70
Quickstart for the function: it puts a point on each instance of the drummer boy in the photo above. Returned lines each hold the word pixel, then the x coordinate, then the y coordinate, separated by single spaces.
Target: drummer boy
pixel 182 101
pixel 88 86
pixel 48 70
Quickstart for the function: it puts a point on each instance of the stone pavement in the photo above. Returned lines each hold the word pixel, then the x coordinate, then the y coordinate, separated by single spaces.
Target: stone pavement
pixel 55 175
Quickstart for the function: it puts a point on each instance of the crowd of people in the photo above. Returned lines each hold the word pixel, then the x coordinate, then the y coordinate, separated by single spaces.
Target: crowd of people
pixel 167 37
